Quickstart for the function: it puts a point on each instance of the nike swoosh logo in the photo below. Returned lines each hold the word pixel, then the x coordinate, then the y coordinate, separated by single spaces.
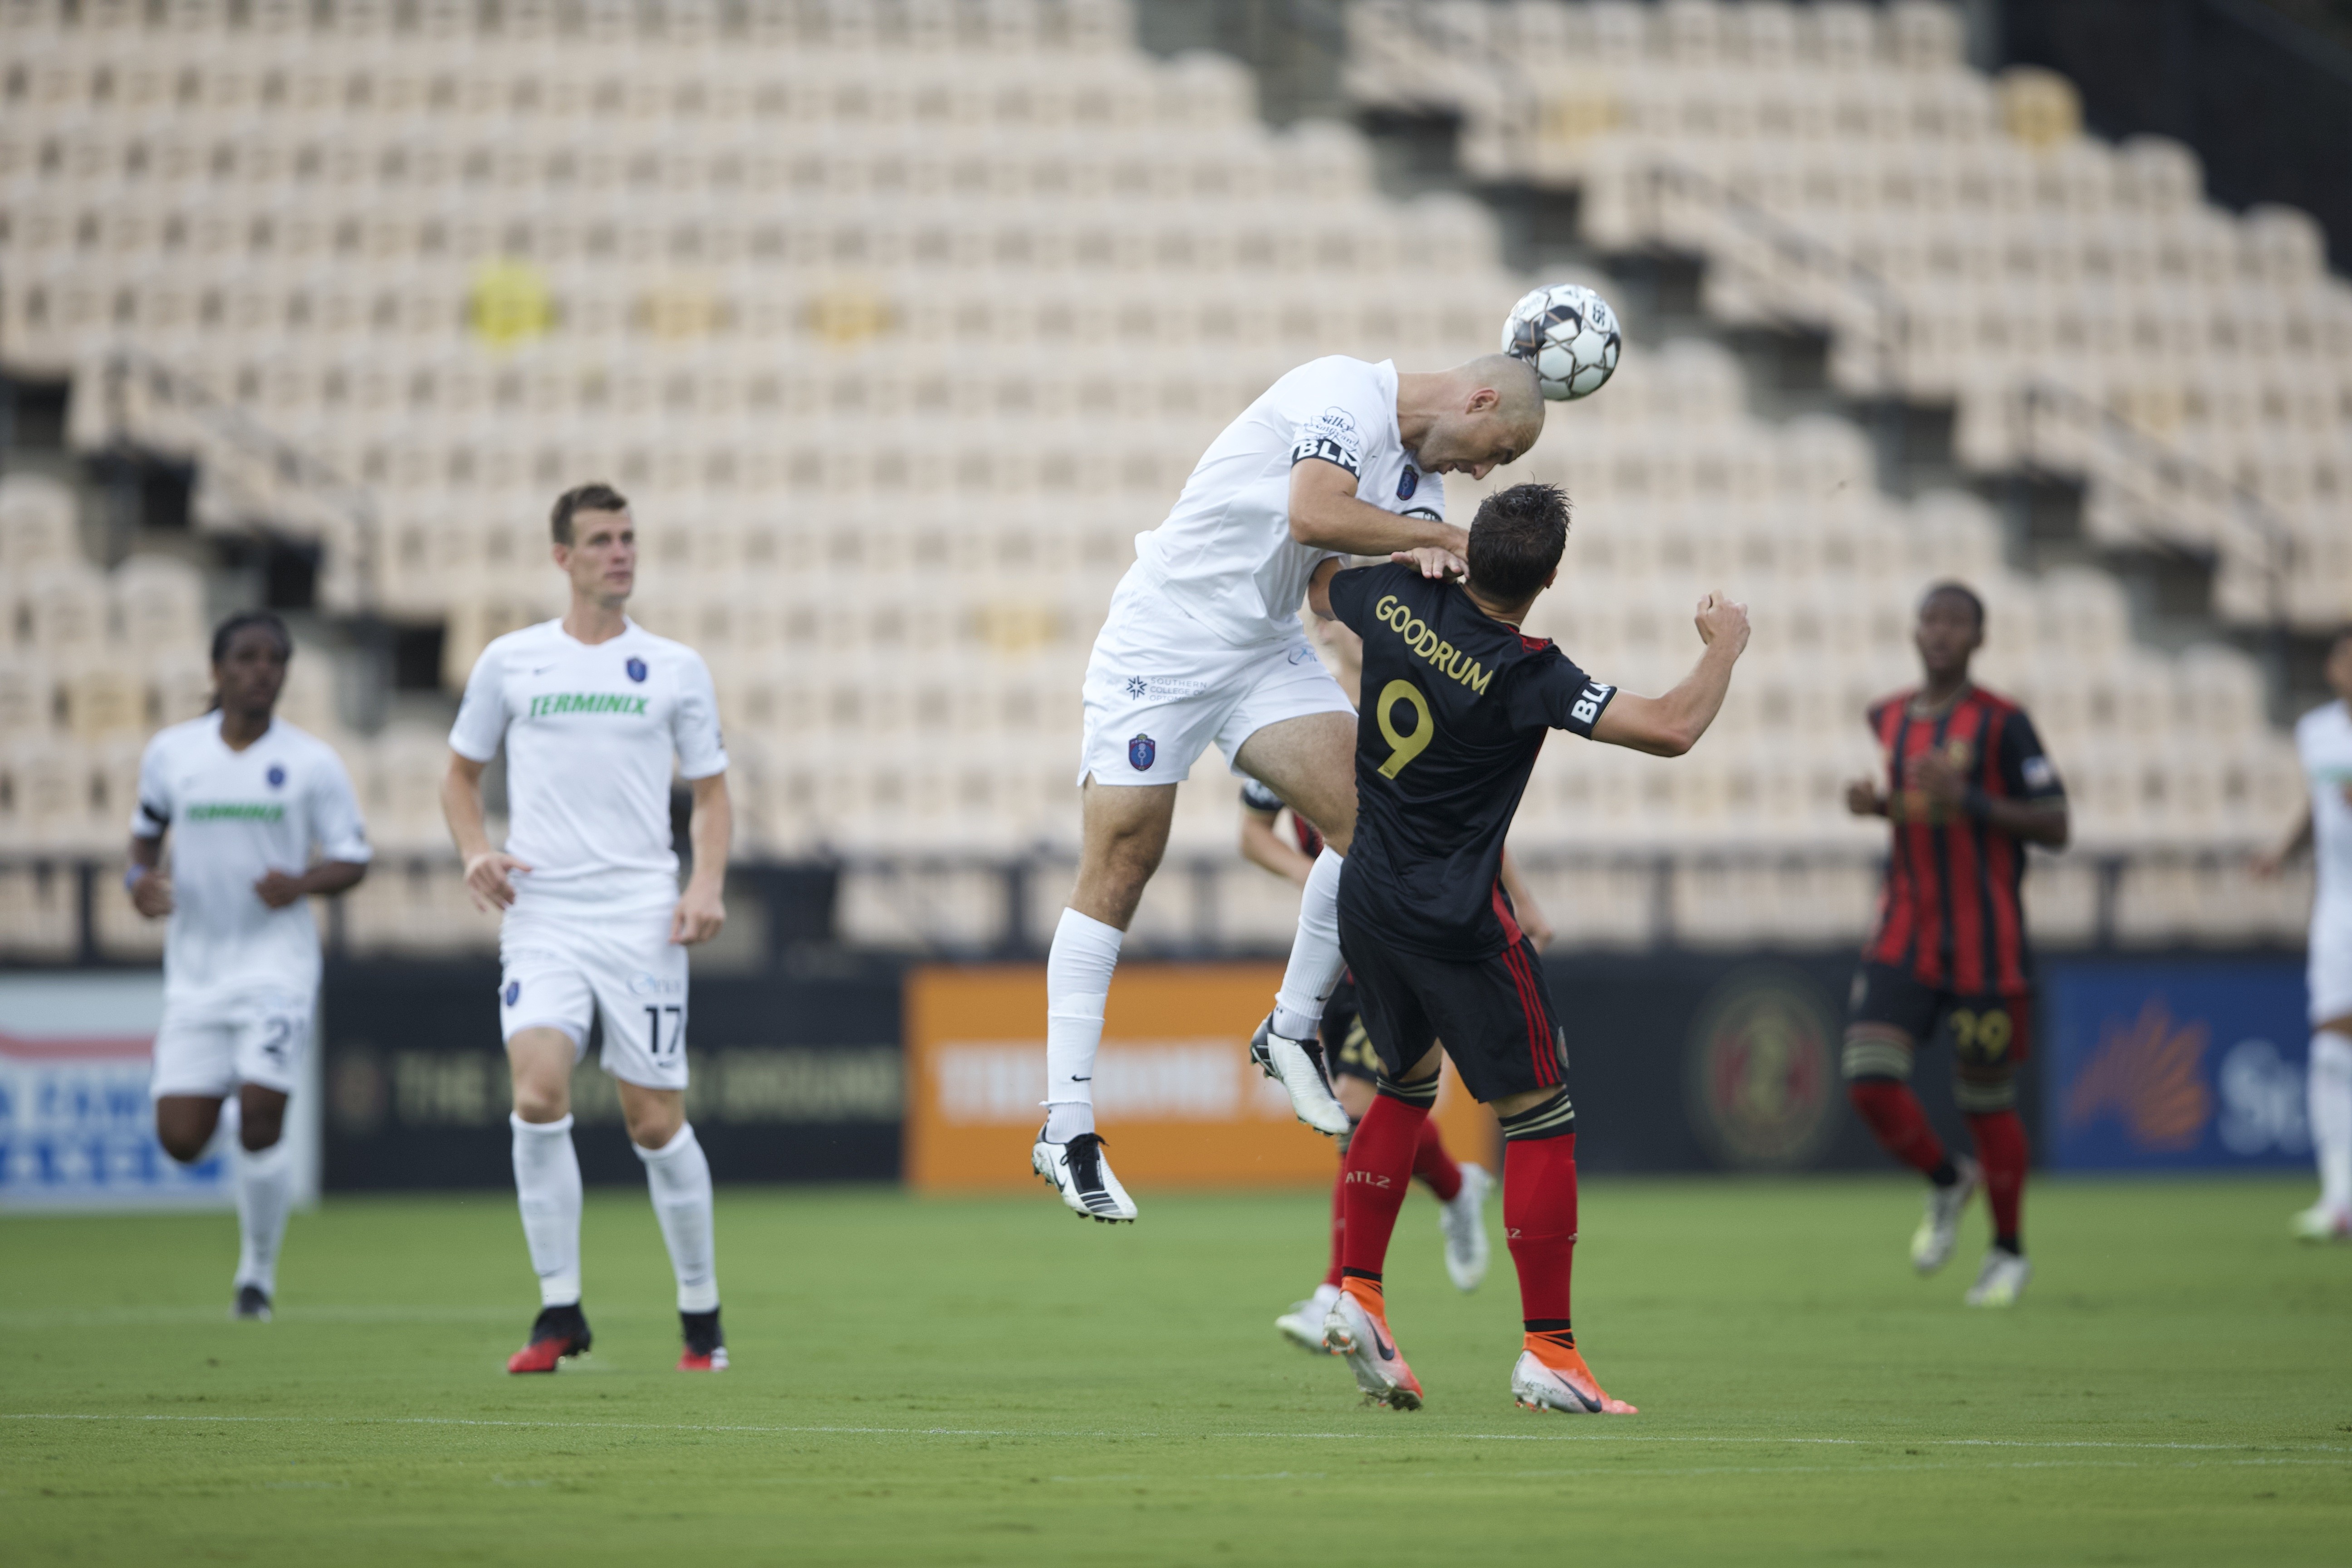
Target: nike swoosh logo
pixel 1088 1079
pixel 542 670
pixel 1380 1344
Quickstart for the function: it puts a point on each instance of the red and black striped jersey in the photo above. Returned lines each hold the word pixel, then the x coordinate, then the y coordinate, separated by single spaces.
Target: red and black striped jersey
pixel 1951 911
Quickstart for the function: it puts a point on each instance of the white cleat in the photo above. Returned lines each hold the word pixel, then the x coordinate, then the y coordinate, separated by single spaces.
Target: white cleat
pixel 2320 1223
pixel 1939 1228
pixel 1080 1171
pixel 1462 1222
pixel 1571 1390
pixel 1303 1324
pixel 1373 1355
pixel 1293 1065
pixel 2001 1280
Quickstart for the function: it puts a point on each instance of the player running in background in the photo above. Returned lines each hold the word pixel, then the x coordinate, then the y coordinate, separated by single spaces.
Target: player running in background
pixel 1353 1069
pixel 2323 740
pixel 1967 789
pixel 1464 700
pixel 245 797
pixel 591 710
pixel 1203 647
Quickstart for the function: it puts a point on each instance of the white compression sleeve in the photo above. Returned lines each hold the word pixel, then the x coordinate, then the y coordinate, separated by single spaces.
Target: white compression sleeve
pixel 547 1187
pixel 1315 962
pixel 265 1196
pixel 679 1177
pixel 1077 986
pixel 2329 1097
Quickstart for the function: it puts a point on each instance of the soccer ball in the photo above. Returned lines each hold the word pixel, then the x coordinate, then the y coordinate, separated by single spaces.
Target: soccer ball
pixel 1570 335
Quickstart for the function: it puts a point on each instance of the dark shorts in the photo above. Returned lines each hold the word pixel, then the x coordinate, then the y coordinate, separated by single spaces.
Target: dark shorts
pixel 1495 1014
pixel 1989 1032
pixel 1346 1046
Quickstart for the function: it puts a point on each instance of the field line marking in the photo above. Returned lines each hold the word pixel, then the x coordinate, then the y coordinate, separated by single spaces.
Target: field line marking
pixel 1628 1437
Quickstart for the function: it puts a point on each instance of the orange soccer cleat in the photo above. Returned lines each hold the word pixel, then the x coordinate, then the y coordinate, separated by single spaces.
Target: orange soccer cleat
pixel 1356 1327
pixel 558 1333
pixel 1552 1376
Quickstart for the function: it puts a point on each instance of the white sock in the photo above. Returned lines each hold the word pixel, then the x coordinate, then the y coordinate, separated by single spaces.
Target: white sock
pixel 679 1177
pixel 2329 1097
pixel 1077 985
pixel 1315 962
pixel 265 1196
pixel 547 1188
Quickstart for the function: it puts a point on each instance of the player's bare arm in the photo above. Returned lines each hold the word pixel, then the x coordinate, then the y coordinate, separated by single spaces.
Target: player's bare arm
pixel 279 889
pixel 1942 792
pixel 701 911
pixel 1671 725
pixel 1532 917
pixel 2271 864
pixel 1262 846
pixel 487 869
pixel 150 890
pixel 1326 515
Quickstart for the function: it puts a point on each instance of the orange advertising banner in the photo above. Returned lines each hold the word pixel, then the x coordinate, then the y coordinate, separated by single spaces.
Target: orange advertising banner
pixel 1176 1096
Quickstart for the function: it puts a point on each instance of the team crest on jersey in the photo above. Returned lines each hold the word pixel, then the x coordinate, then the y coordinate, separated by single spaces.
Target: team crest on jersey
pixel 1407 482
pixel 1140 751
pixel 636 668
pixel 276 775
pixel 644 984
pixel 513 991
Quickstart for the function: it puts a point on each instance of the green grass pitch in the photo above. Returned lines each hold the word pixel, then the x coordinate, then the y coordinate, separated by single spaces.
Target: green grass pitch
pixel 936 1382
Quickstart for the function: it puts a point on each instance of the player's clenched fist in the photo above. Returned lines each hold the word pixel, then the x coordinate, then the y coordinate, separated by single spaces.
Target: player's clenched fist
pixel 1719 616
pixel 698 918
pixel 486 879
pixel 151 895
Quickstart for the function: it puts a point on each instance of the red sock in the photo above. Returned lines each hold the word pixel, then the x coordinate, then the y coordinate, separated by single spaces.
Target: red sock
pixel 1339 1223
pixel 1539 1219
pixel 1380 1168
pixel 1432 1166
pixel 2001 1145
pixel 1894 1114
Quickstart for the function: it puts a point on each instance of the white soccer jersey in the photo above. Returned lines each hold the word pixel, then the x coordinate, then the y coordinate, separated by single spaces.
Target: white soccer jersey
pixel 2323 740
pixel 234 817
pixel 590 731
pixel 1224 555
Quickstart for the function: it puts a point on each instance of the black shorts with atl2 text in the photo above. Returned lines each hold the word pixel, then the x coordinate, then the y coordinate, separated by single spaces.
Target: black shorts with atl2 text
pixel 1495 1014
pixel 1346 1048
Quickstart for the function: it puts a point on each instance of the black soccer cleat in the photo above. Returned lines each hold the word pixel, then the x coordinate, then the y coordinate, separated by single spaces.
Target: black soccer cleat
pixel 252 1305
pixel 555 1333
pixel 706 1346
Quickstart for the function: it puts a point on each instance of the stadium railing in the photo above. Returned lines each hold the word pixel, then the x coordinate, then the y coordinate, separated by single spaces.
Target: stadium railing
pixel 69 910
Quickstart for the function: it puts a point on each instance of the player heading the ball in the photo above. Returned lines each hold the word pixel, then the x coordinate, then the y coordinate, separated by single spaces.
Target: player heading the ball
pixel 1459 699
pixel 591 710
pixel 1203 647
pixel 245 797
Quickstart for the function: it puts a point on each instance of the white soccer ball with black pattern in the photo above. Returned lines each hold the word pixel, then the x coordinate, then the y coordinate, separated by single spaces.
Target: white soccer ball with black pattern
pixel 1570 335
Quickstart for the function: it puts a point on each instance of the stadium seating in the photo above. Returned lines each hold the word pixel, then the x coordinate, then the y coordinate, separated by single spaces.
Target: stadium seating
pixel 896 322
pixel 2081 305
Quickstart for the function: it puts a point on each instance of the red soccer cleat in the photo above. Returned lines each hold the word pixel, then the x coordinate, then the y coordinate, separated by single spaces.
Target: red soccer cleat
pixel 558 1333
pixel 706 1346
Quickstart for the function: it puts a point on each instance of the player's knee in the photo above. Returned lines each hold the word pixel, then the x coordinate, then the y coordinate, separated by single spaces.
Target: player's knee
pixel 181 1142
pixel 256 1131
pixel 537 1098
pixel 1875 1055
pixel 653 1125
pixel 1985 1093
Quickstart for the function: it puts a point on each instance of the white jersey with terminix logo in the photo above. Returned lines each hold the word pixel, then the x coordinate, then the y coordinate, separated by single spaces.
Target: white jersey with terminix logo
pixel 234 817
pixel 590 731
pixel 1224 556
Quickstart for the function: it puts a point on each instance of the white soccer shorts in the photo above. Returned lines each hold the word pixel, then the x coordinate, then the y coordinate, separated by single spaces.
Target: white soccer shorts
pixel 564 972
pixel 2330 964
pixel 1161 689
pixel 206 1049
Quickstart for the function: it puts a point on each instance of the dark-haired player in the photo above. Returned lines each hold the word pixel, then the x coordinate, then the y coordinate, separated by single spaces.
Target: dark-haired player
pixel 591 710
pixel 1966 788
pixel 1459 703
pixel 245 798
